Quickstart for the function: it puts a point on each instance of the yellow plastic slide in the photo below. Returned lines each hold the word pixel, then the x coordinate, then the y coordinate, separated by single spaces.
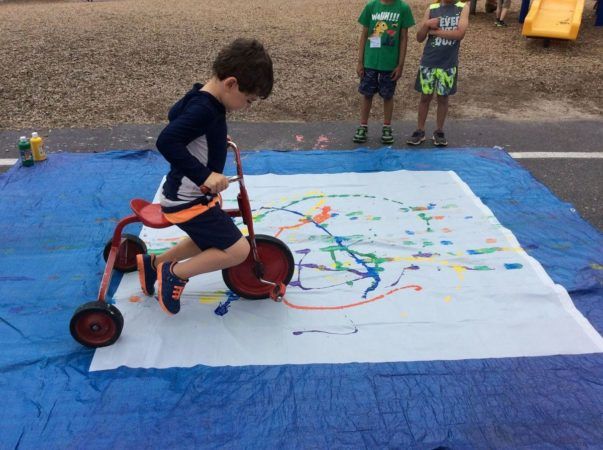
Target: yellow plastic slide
pixel 557 19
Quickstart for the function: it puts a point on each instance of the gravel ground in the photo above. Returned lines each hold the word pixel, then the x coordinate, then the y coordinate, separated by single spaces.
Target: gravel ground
pixel 101 63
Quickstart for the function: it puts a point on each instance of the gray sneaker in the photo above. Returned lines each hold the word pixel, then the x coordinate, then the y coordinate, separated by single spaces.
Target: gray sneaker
pixel 417 138
pixel 439 140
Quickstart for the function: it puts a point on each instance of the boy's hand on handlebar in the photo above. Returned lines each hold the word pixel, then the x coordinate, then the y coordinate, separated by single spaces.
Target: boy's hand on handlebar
pixel 216 182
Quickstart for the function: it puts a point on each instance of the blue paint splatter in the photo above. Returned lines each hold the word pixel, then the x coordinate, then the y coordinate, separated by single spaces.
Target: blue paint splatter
pixel 446 242
pixel 222 308
pixel 410 232
pixel 512 266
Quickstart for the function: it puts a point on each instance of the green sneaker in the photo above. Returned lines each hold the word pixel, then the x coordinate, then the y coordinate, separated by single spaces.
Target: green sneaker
pixel 386 135
pixel 361 135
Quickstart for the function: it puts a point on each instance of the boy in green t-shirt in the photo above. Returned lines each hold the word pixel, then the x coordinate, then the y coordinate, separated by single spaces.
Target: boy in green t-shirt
pixel 381 57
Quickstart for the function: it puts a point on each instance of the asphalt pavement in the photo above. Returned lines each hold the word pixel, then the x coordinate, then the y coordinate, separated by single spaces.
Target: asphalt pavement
pixel 576 180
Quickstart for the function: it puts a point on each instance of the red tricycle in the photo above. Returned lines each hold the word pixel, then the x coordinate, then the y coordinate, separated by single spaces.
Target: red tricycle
pixel 264 274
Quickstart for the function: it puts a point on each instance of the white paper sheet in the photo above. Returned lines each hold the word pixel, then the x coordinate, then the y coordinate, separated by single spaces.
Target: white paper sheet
pixel 390 266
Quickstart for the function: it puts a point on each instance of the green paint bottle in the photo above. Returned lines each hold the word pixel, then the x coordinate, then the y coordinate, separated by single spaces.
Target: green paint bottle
pixel 25 152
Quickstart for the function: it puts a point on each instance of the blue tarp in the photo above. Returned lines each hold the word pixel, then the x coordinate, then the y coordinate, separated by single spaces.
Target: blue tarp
pixel 55 219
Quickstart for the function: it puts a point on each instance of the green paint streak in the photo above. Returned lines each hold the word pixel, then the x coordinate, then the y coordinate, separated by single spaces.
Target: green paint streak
pixel 368 258
pixel 426 218
pixel 157 251
pixel 483 251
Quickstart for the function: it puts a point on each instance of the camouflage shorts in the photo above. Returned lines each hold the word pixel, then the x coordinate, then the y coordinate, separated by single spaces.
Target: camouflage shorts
pixel 440 81
pixel 375 81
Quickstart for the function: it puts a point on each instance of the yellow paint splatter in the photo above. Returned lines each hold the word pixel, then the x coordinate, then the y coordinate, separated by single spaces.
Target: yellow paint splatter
pixel 210 298
pixel 316 207
pixel 403 314
pixel 448 298
pixel 460 271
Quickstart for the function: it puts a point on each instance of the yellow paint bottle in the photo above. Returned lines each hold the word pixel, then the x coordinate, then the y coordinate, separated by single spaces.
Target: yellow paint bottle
pixel 37 147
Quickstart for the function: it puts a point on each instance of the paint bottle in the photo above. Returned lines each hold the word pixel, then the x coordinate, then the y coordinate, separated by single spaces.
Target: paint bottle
pixel 25 152
pixel 37 147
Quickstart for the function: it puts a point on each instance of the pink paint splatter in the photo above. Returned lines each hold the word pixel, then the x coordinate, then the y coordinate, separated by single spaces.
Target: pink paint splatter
pixel 299 138
pixel 321 142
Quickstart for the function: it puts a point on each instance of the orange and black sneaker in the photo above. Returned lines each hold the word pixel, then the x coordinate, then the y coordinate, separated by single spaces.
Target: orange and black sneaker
pixel 170 288
pixel 147 273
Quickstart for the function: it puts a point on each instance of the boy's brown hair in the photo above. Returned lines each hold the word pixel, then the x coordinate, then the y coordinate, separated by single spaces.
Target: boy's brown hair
pixel 249 63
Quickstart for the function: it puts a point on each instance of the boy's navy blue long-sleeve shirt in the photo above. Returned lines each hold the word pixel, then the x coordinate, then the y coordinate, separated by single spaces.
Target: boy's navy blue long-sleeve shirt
pixel 194 143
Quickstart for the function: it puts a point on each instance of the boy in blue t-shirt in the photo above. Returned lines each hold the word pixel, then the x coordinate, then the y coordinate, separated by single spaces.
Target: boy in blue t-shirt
pixel 195 144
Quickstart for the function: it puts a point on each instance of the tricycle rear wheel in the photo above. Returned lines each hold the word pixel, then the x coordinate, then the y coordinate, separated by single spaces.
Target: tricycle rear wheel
pixel 96 324
pixel 126 255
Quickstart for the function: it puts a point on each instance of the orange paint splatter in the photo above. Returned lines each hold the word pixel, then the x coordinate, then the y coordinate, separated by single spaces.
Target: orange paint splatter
pixel 438 217
pixel 490 240
pixel 414 287
pixel 322 216
pixel 135 299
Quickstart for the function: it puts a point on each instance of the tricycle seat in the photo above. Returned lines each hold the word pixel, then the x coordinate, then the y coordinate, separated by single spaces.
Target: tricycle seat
pixel 149 213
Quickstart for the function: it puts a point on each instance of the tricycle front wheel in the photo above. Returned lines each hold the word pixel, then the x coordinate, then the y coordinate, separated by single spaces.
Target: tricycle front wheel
pixel 276 265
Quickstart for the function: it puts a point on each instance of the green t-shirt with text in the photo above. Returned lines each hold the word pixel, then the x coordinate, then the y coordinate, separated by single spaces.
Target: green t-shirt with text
pixel 384 22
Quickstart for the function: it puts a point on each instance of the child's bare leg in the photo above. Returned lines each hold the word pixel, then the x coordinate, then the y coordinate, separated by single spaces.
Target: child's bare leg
pixel 503 13
pixel 423 110
pixel 184 249
pixel 213 259
pixel 388 110
pixel 442 111
pixel 365 109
